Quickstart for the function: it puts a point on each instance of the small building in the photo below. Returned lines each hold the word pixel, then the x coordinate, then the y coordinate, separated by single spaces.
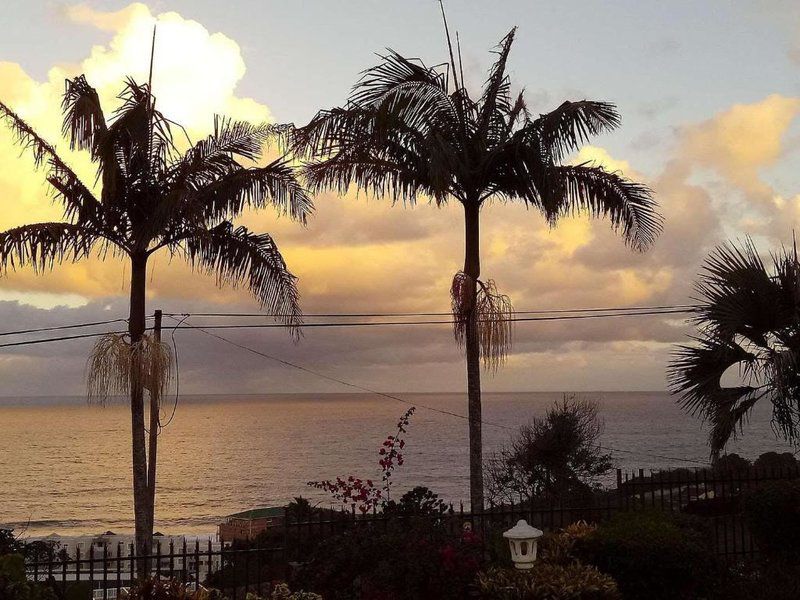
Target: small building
pixel 249 524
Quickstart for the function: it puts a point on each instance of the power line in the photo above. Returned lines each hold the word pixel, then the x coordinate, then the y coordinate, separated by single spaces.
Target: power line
pixel 59 339
pixel 682 307
pixel 561 314
pixel 437 322
pixel 60 327
pixel 391 396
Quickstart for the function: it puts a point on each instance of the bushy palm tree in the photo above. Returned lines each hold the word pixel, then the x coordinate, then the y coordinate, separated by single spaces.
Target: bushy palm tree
pixel 153 198
pixel 748 322
pixel 408 130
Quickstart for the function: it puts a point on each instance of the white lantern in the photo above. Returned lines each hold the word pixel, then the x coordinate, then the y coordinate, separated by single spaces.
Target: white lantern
pixel 523 540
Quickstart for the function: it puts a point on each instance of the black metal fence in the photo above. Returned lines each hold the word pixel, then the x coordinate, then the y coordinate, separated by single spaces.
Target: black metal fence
pixel 250 567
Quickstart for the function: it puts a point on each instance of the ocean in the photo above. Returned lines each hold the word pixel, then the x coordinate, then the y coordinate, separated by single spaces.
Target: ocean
pixel 65 465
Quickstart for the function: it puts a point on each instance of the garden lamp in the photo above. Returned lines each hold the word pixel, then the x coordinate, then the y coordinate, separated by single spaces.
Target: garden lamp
pixel 523 540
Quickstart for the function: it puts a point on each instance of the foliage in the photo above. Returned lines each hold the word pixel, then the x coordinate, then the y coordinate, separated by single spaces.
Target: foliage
pixel 772 461
pixel 172 589
pixel 652 555
pixel 419 501
pixel 9 544
pixel 772 514
pixel 548 582
pixel 300 509
pixel 109 369
pixel 154 197
pixel 411 560
pixel 409 130
pixel 282 592
pixel 731 462
pixel 760 581
pixel 14 584
pixel 493 312
pixel 559 547
pixel 747 320
pixel 557 456
pixel 363 493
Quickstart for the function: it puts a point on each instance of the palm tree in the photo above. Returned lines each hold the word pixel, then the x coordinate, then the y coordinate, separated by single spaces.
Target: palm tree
pixel 408 130
pixel 748 320
pixel 154 197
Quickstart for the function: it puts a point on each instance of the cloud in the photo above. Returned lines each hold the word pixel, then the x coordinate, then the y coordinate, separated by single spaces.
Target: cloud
pixel 740 141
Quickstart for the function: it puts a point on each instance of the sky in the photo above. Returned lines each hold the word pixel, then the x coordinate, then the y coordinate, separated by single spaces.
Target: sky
pixel 709 94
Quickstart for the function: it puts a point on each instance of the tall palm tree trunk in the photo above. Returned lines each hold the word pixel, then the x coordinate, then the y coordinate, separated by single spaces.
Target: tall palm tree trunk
pixel 141 494
pixel 472 268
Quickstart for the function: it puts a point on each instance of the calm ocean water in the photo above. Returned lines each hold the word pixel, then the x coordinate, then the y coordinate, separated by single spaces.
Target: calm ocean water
pixel 65 466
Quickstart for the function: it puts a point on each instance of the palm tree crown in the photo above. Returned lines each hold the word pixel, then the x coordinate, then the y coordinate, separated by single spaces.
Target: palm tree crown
pixel 154 197
pixel 748 321
pixel 404 133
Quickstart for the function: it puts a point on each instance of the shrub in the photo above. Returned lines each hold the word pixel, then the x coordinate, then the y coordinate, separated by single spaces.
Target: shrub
pixel 772 514
pixel 772 461
pixel 557 456
pixel 14 584
pixel 559 547
pixel 411 560
pixel 652 555
pixel 157 589
pixel 282 592
pixel 417 501
pixel 548 582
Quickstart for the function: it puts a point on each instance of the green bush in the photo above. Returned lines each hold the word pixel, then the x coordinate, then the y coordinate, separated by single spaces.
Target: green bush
pixel 411 560
pixel 559 547
pixel 754 580
pixel 548 582
pixel 652 555
pixel 772 514
pixel 156 589
pixel 14 584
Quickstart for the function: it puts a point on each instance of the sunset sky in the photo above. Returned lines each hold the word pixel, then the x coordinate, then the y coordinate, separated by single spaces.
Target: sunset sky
pixel 710 98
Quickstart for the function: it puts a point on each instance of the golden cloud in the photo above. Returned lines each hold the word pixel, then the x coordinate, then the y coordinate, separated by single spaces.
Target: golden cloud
pixel 741 140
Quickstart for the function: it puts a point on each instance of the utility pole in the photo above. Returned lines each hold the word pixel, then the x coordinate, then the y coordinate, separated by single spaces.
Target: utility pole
pixel 155 409
pixel 157 316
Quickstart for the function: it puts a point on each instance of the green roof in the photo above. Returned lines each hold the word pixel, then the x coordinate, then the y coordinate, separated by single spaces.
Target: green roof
pixel 260 513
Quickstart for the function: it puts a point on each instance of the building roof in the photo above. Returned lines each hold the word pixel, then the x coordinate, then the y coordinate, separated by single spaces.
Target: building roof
pixel 260 513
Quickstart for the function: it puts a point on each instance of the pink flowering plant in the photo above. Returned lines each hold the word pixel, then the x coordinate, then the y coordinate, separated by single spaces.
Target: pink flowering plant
pixel 362 493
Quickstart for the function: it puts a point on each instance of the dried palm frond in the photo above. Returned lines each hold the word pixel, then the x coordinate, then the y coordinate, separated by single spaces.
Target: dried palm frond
pixel 113 363
pixel 492 313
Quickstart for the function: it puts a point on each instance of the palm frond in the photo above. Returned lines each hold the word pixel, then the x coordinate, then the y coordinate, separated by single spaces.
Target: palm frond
pixel 114 361
pixel 214 156
pixel 275 184
pixel 497 87
pixel 41 245
pixel 629 205
pixel 492 313
pixel 236 256
pixel 747 320
pixel 84 122
pixel 377 176
pixel 738 295
pixel 79 202
pixel 572 124
pixel 393 72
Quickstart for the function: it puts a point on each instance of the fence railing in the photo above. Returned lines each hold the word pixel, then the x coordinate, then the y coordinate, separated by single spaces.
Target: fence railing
pixel 250 566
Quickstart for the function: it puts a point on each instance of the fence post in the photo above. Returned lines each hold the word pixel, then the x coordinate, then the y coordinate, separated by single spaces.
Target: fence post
pixel 119 568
